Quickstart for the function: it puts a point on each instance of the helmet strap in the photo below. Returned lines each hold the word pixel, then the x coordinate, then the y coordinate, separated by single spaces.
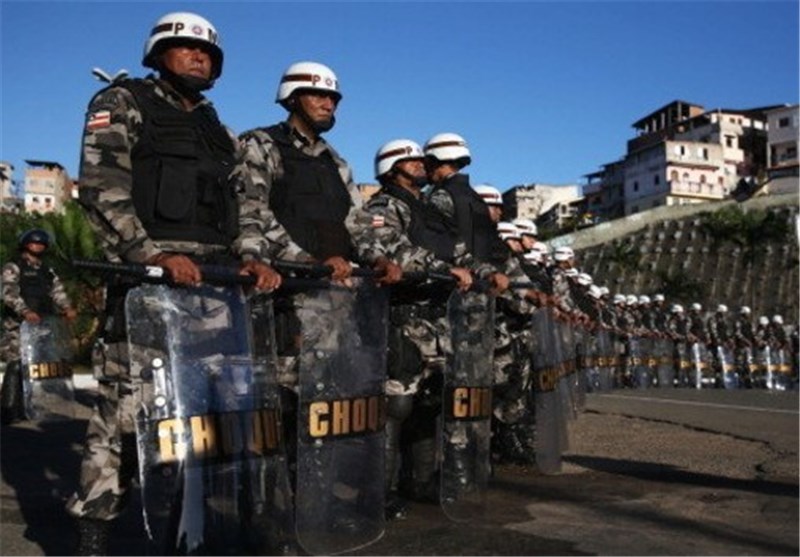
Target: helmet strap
pixel 188 86
pixel 418 182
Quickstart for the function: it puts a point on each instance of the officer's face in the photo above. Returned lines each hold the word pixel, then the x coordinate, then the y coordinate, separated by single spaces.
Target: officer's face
pixel 35 248
pixel 495 213
pixel 319 107
pixel 188 59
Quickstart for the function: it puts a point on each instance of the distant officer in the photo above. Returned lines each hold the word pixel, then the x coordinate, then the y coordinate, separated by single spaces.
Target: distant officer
pixel 155 164
pixel 420 239
pixel 31 291
pixel 744 337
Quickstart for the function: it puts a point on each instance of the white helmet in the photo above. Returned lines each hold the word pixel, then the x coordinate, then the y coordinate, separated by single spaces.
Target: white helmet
pixel 595 292
pixel 542 247
pixel 677 308
pixel 584 279
pixel 571 272
pixel 696 307
pixel 777 319
pixel 763 320
pixel 448 147
pixel 619 298
pixel 744 310
pixel 631 300
pixel 307 76
pixel 526 227
pixel 490 194
pixel 183 26
pixel 604 290
pixel 395 151
pixel 563 253
pixel 644 299
pixel 722 308
pixel 508 231
pixel 534 256
pixel 658 298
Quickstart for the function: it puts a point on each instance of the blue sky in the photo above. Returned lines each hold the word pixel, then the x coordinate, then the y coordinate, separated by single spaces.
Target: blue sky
pixel 542 91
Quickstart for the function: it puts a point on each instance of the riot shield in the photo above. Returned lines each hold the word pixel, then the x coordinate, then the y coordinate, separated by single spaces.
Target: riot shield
pixel 546 398
pixel 605 360
pixel 639 375
pixel 213 474
pixel 730 379
pixel 764 377
pixel 467 407
pixel 701 367
pixel 341 417
pixel 684 357
pixel 782 375
pixel 48 390
pixel 663 349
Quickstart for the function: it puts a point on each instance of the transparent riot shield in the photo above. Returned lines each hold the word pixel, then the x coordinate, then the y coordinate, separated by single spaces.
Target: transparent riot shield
pixel 701 367
pixel 665 366
pixel 467 406
pixel 764 377
pixel 683 354
pixel 727 368
pixel 638 375
pixel 782 375
pixel 584 360
pixel 546 398
pixel 213 473
pixel 605 360
pixel 341 418
pixel 47 385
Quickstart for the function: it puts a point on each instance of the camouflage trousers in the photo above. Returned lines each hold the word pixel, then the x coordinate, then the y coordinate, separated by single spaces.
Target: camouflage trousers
pixel 512 373
pixel 10 340
pixel 109 461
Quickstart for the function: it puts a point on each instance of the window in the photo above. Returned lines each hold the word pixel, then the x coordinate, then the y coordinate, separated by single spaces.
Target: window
pixel 636 186
pixel 656 180
pixel 702 178
pixel 685 176
pixel 783 122
pixel 729 141
pixel 673 176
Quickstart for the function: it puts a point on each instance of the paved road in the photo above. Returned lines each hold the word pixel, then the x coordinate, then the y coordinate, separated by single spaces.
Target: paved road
pixel 653 472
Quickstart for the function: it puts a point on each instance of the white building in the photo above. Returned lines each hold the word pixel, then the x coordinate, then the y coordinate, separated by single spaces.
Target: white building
pixel 782 140
pixel 47 187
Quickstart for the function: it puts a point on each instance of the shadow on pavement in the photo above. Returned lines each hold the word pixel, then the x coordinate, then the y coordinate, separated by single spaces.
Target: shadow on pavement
pixel 671 474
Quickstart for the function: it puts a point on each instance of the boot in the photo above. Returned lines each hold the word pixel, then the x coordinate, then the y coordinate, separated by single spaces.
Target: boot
pixel 11 397
pixel 425 482
pixel 93 536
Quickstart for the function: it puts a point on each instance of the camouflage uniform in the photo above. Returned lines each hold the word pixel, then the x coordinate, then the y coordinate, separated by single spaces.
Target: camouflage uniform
pixel 15 305
pixel 419 341
pixel 115 126
pixel 258 169
pixel 42 278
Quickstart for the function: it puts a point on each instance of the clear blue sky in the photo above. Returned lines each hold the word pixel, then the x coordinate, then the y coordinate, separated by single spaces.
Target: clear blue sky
pixel 542 91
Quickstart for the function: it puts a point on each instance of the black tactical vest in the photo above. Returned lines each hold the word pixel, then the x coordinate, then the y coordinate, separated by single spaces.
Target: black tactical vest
pixel 35 285
pixel 428 228
pixel 311 200
pixel 472 219
pixel 181 165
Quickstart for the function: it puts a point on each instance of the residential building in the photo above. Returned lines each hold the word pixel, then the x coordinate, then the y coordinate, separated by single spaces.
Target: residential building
pixel 604 192
pixel 534 200
pixel 47 187
pixel 684 154
pixel 782 139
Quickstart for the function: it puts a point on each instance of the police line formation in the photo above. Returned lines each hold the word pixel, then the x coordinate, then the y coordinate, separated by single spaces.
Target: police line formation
pixel 283 366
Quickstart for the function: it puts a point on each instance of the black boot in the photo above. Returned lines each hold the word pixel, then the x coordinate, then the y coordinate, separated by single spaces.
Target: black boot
pixel 93 536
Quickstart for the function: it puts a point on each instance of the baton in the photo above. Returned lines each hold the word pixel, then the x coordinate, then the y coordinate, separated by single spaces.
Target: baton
pixel 212 274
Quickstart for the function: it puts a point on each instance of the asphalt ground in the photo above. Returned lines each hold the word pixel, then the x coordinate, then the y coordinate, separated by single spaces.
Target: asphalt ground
pixel 651 472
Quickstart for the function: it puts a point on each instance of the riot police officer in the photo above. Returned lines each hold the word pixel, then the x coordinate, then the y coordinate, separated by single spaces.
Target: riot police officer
pixel 154 174
pixel 31 291
pixel 420 239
